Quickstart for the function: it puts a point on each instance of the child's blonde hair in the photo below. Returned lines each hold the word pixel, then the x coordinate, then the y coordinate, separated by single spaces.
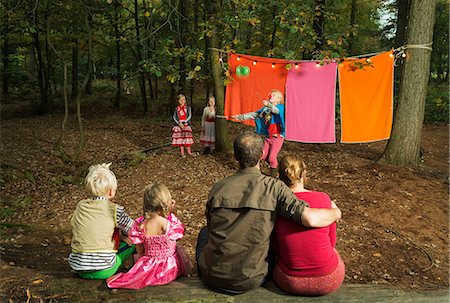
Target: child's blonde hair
pixel 156 199
pixel 179 97
pixel 100 180
pixel 209 98
pixel 292 169
pixel 278 94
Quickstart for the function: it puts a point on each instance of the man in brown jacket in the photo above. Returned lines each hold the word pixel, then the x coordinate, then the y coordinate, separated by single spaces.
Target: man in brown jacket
pixel 241 209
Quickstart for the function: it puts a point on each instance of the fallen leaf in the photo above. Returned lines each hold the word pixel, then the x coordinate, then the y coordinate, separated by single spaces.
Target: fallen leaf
pixel 39 281
pixel 377 254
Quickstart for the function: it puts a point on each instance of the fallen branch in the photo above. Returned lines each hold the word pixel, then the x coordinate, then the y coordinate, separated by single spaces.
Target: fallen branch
pixel 390 230
pixel 155 147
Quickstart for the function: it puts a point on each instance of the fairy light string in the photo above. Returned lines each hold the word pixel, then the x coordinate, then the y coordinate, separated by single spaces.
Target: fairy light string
pixel 399 55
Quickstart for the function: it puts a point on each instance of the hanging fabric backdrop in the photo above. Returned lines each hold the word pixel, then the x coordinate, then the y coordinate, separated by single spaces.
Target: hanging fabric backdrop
pixel 310 103
pixel 366 97
pixel 245 93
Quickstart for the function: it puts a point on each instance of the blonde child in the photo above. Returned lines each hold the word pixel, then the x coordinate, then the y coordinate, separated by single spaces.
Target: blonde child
pixel 269 121
pixel 97 252
pixel 182 131
pixel 162 260
pixel 208 136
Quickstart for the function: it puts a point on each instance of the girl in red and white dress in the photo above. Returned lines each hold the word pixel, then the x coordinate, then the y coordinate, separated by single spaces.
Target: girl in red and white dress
pixel 182 131
pixel 208 137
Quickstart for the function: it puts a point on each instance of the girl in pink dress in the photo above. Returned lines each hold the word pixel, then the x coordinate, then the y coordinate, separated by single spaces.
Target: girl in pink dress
pixel 160 260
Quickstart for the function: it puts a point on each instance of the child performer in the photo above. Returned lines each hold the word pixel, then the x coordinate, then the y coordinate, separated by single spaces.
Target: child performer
pixel 97 252
pixel 308 263
pixel 162 259
pixel 208 137
pixel 182 132
pixel 269 122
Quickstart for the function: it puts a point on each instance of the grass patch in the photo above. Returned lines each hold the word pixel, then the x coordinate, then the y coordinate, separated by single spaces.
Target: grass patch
pixel 69 179
pixel 5 212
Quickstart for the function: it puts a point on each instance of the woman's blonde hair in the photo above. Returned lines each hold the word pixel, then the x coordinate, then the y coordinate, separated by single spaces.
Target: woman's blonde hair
pixel 279 94
pixel 100 180
pixel 292 169
pixel 156 199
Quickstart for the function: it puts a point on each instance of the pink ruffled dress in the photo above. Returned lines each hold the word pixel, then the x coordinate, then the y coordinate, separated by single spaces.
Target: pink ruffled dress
pixel 163 260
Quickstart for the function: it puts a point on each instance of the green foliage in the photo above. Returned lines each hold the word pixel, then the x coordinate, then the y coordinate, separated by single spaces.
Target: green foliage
pixel 9 208
pixel 69 179
pixel 6 212
pixel 437 103
pixel 29 176
pixel 23 202
pixel 136 158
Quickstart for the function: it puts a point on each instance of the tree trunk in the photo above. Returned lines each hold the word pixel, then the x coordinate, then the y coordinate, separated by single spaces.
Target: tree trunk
pixel 74 90
pixel 194 44
pixel 139 58
pixel 118 70
pixel 222 141
pixel 404 145
pixel 402 19
pixel 5 54
pixel 274 31
pixel 88 88
pixel 351 39
pixel 206 10
pixel 181 44
pixel 318 24
pixel 59 142
pixel 43 108
pixel 48 69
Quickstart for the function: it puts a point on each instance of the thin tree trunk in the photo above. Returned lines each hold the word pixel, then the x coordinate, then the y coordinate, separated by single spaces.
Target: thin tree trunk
pixel 48 68
pixel 402 19
pixel 351 39
pixel 59 143
pixel 404 145
pixel 88 88
pixel 74 90
pixel 318 24
pixel 6 49
pixel 139 58
pixel 181 44
pixel 5 54
pixel 194 44
pixel 43 108
pixel 83 89
pixel 222 141
pixel 206 9
pixel 118 70
pixel 274 31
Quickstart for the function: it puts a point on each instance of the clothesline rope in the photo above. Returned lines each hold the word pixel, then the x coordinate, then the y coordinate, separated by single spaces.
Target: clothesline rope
pixel 399 52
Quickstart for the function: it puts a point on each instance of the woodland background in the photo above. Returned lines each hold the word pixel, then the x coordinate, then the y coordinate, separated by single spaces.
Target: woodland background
pixel 92 81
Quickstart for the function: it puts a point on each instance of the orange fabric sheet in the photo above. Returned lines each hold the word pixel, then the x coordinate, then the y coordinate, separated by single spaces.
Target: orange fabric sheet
pixel 244 94
pixel 366 99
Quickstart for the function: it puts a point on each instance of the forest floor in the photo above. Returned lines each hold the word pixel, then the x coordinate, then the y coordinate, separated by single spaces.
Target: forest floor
pixel 394 229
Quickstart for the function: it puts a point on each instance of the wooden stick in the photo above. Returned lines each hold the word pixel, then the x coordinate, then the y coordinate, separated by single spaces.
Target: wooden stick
pixel 155 147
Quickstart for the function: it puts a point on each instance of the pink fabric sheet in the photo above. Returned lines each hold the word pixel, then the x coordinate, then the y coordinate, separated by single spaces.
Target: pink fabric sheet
pixel 310 103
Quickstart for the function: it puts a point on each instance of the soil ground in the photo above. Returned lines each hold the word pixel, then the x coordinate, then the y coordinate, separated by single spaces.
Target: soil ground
pixel 394 229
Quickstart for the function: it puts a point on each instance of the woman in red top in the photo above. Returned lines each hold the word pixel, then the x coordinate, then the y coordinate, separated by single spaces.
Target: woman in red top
pixel 182 131
pixel 307 261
